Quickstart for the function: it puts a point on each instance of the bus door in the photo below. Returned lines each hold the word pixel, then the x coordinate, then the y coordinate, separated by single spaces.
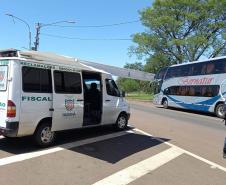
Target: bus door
pixel 223 89
pixel 156 88
pixel 67 100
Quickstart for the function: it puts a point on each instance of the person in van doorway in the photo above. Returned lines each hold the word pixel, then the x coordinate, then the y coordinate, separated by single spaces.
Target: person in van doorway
pixel 94 98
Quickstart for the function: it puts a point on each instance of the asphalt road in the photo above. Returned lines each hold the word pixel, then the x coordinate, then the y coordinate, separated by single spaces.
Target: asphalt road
pixel 160 147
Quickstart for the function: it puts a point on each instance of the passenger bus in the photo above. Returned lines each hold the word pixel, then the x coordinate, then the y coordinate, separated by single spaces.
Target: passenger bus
pixel 199 85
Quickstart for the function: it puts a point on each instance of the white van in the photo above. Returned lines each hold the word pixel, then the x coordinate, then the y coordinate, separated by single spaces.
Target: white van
pixel 41 93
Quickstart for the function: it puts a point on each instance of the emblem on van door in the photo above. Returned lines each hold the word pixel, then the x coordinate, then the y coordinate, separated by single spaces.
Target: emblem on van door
pixel 2 75
pixel 69 104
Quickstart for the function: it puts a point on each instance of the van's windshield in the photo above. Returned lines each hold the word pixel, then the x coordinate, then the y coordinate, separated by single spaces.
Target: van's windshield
pixel 3 77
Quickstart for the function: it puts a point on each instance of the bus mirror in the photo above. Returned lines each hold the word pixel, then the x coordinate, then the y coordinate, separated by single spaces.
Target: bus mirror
pixel 166 91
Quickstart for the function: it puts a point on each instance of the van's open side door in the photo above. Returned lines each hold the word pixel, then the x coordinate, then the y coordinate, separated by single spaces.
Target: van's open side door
pixel 67 100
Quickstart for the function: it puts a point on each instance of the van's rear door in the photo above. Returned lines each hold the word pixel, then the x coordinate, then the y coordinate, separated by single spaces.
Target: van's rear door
pixel 4 69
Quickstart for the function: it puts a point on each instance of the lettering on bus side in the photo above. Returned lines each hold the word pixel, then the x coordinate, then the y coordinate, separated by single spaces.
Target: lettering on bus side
pixel 195 81
pixel 36 98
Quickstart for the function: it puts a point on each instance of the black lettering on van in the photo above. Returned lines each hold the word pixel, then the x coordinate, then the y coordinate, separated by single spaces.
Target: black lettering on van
pixel 39 98
pixel 2 104
pixel 24 98
pixel 44 99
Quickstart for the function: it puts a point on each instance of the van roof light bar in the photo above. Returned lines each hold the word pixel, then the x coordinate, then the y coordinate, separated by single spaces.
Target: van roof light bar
pixel 9 53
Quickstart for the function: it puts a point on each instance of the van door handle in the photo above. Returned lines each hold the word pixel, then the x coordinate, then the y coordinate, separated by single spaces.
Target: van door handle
pixel 51 109
pixel 80 100
pixel 107 100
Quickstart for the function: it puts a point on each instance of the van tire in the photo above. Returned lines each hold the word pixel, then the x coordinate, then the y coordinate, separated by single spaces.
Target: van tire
pixel 219 110
pixel 122 121
pixel 165 103
pixel 43 135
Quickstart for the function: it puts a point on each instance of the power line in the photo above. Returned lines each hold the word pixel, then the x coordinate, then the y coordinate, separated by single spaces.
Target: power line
pixel 99 26
pixel 88 39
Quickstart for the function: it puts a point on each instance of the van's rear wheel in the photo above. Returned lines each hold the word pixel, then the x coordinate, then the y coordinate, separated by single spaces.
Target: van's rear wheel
pixel 121 123
pixel 165 104
pixel 43 135
pixel 219 110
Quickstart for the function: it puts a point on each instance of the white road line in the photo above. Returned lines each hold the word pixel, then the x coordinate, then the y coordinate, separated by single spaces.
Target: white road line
pixel 140 169
pixel 1 137
pixel 25 156
pixel 212 164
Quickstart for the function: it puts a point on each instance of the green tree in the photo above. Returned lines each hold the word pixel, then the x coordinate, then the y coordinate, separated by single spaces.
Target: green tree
pixel 136 66
pixel 181 30
pixel 128 85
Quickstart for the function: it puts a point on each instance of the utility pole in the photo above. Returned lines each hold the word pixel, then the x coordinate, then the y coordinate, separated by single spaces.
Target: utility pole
pixel 36 43
pixel 38 28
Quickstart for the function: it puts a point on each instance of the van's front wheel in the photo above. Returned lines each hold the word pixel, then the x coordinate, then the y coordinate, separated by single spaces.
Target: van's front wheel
pixel 121 122
pixel 43 135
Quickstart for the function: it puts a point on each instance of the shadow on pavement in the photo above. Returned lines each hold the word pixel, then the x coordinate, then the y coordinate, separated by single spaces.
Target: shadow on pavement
pixel 110 150
pixel 26 144
pixel 115 149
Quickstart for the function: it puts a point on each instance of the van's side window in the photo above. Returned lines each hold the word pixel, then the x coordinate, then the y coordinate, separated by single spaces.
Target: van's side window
pixel 36 80
pixel 112 88
pixel 67 82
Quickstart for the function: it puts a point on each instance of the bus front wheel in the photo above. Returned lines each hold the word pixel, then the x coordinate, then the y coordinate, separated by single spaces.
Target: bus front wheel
pixel 219 110
pixel 165 104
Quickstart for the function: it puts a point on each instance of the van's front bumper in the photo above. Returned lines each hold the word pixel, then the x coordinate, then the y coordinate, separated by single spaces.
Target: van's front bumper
pixel 10 130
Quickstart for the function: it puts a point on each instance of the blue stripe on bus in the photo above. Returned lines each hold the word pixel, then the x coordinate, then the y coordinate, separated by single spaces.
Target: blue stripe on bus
pixel 197 106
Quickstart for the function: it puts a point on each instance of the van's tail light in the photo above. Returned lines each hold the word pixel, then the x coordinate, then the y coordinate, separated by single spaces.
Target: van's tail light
pixel 11 109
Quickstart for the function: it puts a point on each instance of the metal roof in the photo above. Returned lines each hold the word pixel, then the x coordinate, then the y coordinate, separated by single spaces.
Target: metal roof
pixel 53 58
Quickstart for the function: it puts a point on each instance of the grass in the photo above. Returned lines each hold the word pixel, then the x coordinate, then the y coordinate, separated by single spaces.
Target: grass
pixel 139 96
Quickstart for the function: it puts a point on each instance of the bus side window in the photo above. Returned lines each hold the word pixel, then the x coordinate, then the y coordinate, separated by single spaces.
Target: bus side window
pixel 192 91
pixel 184 70
pixel 197 91
pixel 203 71
pixel 170 73
pixel 210 68
pixel 220 66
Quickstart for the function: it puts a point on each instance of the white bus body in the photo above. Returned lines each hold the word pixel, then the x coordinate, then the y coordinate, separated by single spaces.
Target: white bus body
pixel 197 86
pixel 39 96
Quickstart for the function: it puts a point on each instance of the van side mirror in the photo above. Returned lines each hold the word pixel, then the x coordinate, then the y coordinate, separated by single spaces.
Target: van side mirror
pixel 123 94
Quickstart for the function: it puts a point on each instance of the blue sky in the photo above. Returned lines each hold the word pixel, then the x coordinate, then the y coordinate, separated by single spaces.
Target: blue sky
pixel 84 12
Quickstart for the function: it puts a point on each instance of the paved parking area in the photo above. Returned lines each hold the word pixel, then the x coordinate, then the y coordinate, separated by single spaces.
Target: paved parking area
pixel 102 156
